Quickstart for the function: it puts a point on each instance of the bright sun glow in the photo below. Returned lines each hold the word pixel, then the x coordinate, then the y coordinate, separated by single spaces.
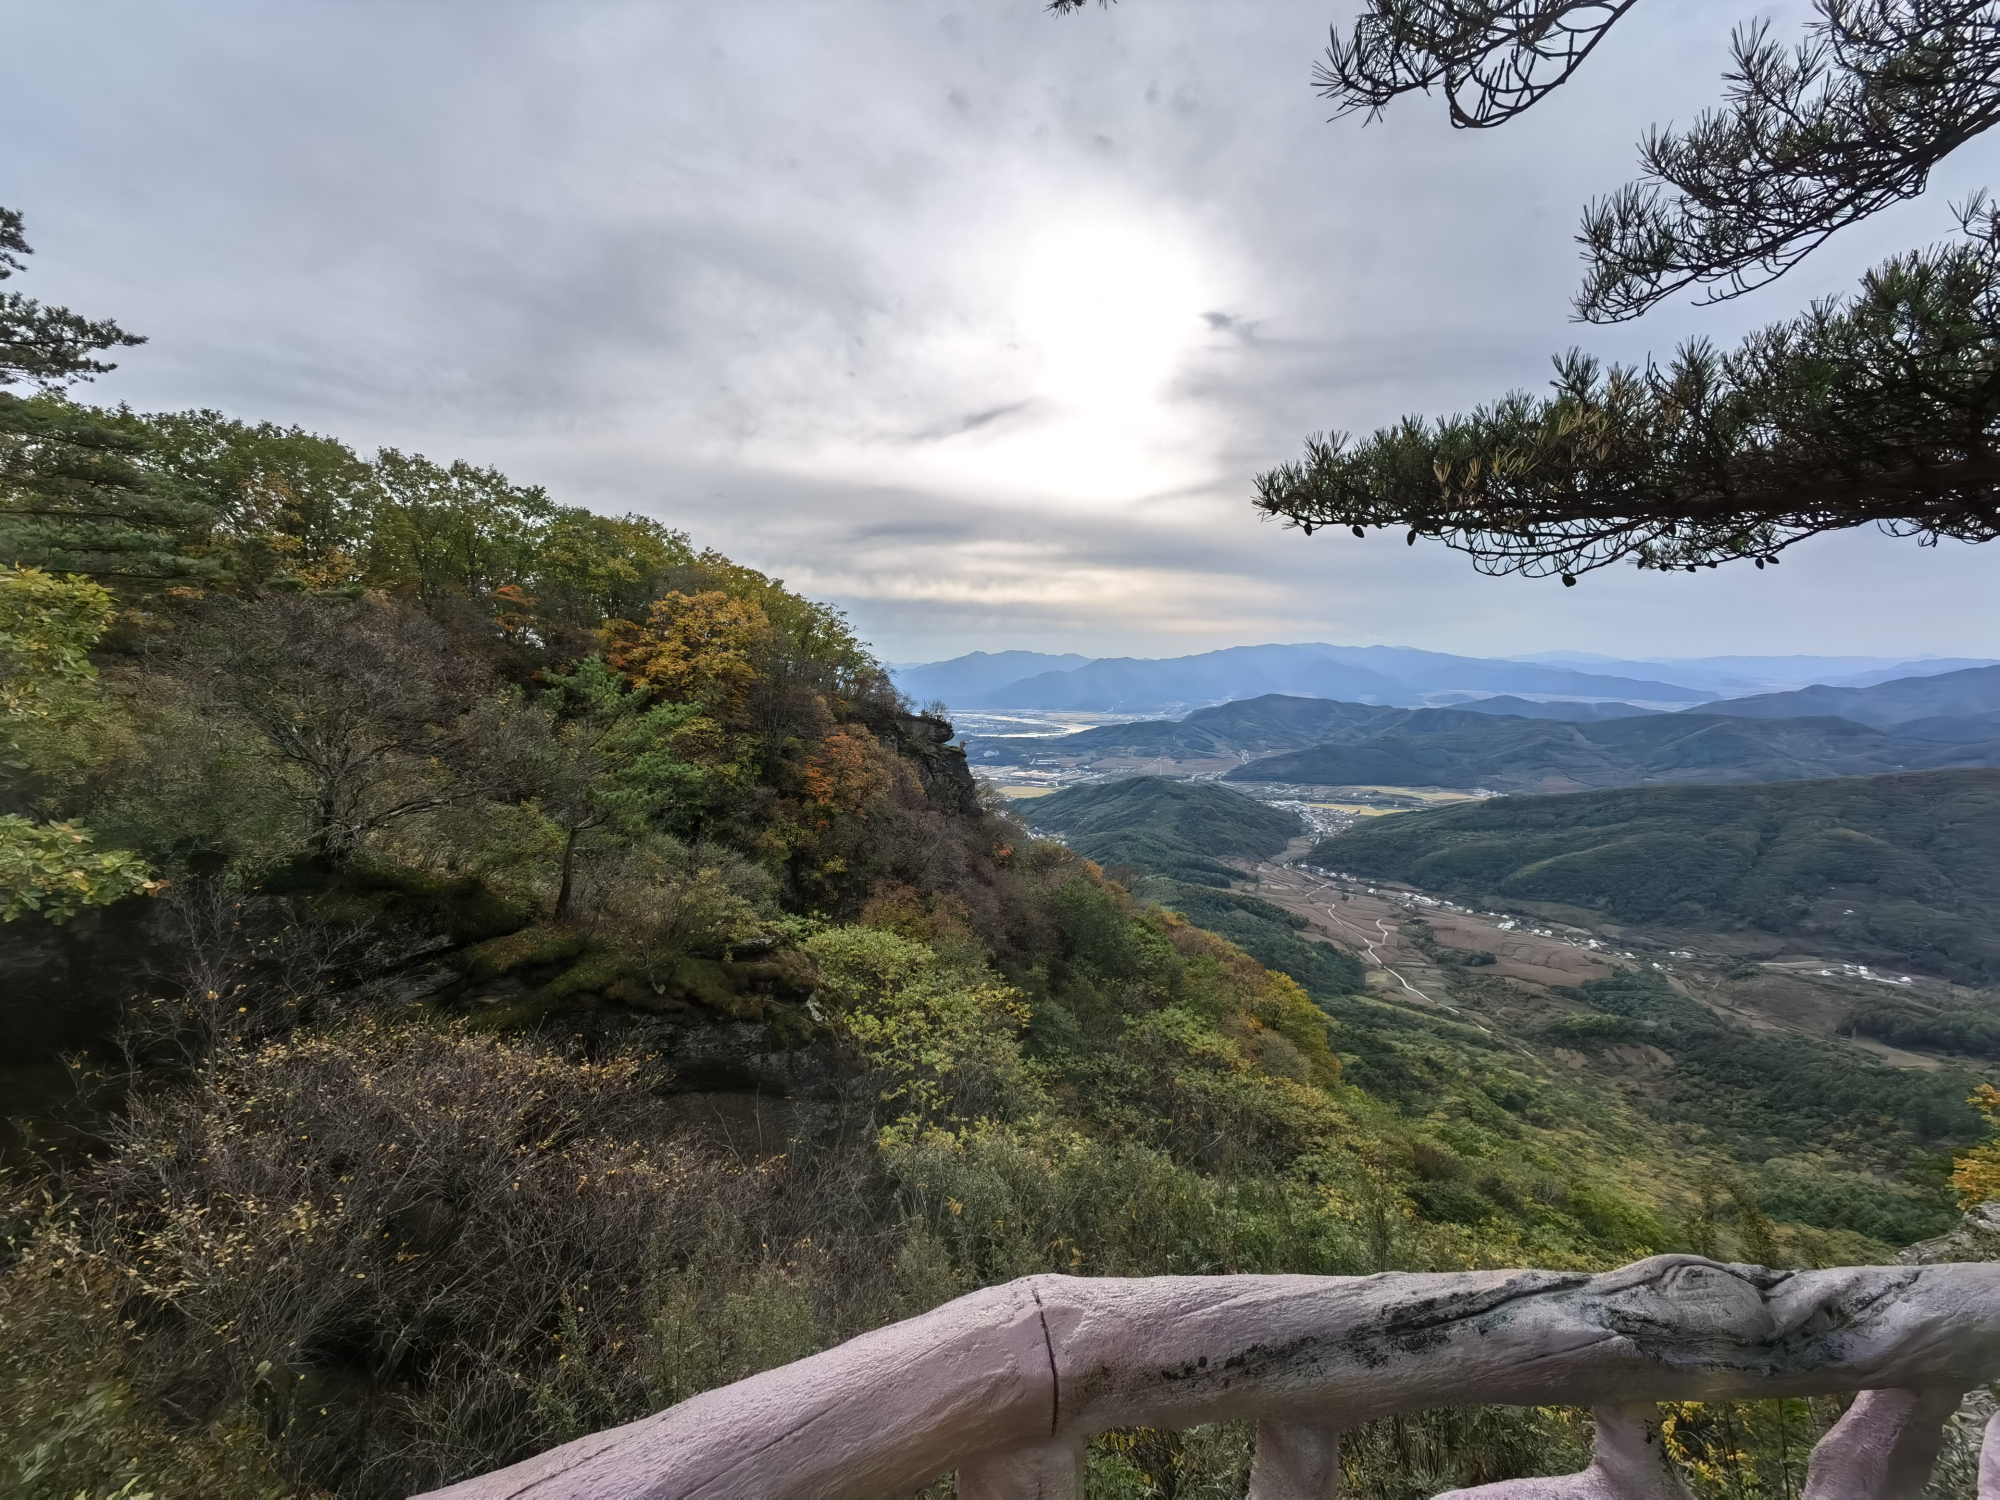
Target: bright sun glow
pixel 1108 317
pixel 1060 377
pixel 1112 312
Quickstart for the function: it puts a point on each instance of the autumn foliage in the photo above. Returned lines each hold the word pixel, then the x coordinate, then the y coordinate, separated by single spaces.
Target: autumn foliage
pixel 1975 1175
pixel 694 648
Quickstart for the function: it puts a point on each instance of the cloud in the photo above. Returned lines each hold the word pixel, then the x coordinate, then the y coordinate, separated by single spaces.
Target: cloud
pixel 976 320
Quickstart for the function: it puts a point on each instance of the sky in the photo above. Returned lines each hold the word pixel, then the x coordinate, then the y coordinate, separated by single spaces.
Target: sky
pixel 976 321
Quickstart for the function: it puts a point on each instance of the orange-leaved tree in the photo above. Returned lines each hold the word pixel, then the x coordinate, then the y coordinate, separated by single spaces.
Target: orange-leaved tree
pixel 848 770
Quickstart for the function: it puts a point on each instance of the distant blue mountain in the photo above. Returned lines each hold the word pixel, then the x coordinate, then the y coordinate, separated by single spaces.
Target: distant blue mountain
pixel 1971 692
pixel 964 677
pixel 1738 676
pixel 1391 675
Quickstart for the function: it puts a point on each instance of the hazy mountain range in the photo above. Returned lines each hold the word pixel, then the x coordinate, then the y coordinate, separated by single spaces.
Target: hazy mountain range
pixel 1383 675
pixel 1951 720
pixel 1971 692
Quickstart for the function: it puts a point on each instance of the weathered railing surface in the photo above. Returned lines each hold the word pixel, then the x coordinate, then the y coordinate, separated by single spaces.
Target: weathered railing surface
pixel 1005 1386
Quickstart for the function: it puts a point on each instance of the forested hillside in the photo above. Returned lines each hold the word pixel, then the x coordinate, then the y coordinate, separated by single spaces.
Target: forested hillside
pixel 518 969
pixel 1182 829
pixel 1905 868
pixel 1452 748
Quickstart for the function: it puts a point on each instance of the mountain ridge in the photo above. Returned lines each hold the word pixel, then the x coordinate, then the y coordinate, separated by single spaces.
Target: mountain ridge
pixel 1398 675
pixel 1970 690
pixel 1316 741
pixel 1395 675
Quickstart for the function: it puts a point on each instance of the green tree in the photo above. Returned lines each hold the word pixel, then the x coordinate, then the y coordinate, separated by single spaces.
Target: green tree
pixel 47 347
pixel 591 568
pixel 1881 408
pixel 76 493
pixel 47 627
pixel 607 767
pixel 453 529
pixel 80 494
pixel 287 503
pixel 368 710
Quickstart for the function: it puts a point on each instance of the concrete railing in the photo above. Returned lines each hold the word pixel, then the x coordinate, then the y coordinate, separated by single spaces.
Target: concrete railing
pixel 1006 1386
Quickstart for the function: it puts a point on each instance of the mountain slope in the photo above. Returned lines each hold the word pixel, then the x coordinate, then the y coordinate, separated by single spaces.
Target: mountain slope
pixel 1527 708
pixel 1906 867
pixel 1975 690
pixel 1453 748
pixel 1181 829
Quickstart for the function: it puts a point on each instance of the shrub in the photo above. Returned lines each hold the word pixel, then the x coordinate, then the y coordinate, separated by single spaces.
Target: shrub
pixel 420 1254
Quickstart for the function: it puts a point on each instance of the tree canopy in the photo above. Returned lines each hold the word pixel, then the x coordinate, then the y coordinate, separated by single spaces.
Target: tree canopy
pixel 1873 408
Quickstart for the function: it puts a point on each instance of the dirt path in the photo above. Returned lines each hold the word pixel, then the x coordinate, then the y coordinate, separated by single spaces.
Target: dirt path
pixel 1303 887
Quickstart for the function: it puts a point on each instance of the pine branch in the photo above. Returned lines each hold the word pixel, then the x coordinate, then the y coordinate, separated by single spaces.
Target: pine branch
pixel 1492 60
pixel 1811 140
pixel 1881 409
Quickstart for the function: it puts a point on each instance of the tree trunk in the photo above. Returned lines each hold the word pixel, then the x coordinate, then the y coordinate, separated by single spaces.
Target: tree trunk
pixel 568 874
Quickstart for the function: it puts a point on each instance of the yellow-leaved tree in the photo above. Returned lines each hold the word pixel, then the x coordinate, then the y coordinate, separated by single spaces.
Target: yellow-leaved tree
pixel 1975 1174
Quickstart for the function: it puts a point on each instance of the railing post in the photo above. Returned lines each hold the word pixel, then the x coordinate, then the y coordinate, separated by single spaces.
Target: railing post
pixel 1047 1471
pixel 1884 1447
pixel 1629 1462
pixel 1295 1461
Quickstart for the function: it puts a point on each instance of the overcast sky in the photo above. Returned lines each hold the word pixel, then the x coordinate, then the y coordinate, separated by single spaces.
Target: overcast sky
pixel 974 320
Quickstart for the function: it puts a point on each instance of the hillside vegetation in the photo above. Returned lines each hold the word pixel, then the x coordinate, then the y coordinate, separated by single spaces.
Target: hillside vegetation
pixel 1903 867
pixel 1451 748
pixel 1833 1139
pixel 1181 829
pixel 1171 842
pixel 478 971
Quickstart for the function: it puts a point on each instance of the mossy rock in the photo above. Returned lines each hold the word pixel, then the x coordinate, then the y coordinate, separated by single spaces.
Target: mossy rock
pixel 717 984
pixel 530 948
pixel 741 991
pixel 550 971
pixel 594 974
pixel 363 889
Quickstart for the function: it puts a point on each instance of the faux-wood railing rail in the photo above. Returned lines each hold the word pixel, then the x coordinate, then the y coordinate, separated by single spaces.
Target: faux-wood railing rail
pixel 1005 1386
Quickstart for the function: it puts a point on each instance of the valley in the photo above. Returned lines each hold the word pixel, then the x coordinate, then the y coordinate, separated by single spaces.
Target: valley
pixel 1817 1071
pixel 1418 944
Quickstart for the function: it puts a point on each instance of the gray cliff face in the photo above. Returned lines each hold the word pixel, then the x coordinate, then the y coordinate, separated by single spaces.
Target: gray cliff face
pixel 1976 1238
pixel 925 741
